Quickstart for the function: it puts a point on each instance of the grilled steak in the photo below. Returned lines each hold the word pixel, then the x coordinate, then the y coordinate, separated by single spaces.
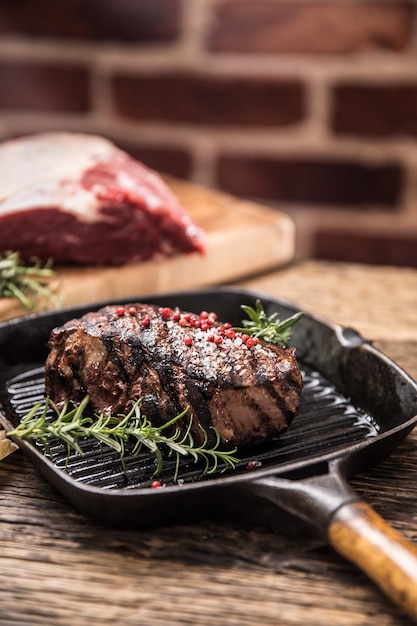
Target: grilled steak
pixel 78 199
pixel 247 389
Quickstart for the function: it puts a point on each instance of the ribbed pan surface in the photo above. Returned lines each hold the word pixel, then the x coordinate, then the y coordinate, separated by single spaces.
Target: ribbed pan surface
pixel 327 422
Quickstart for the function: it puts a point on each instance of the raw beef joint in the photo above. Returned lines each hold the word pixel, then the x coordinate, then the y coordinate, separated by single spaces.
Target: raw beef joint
pixel 78 199
pixel 248 390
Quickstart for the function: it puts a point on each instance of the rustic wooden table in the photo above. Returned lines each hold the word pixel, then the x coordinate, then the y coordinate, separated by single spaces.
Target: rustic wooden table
pixel 59 568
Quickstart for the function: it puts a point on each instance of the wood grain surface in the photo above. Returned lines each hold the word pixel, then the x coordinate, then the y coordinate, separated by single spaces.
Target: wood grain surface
pixel 58 568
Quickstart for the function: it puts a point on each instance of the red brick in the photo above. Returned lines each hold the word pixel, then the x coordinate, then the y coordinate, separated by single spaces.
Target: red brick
pixel 44 87
pixel 124 20
pixel 169 160
pixel 209 100
pixel 318 27
pixel 349 183
pixel 375 111
pixel 359 247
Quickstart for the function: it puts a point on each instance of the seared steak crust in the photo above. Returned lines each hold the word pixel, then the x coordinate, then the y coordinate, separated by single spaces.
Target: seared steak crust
pixel 172 360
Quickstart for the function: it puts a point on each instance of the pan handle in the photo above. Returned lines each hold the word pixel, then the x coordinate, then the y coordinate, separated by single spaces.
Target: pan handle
pixel 332 509
pixel 359 534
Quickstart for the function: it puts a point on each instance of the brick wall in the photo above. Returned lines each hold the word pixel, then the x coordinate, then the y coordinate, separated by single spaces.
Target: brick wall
pixel 305 105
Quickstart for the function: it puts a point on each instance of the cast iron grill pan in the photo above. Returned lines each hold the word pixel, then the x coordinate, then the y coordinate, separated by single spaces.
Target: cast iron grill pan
pixel 327 421
pixel 357 406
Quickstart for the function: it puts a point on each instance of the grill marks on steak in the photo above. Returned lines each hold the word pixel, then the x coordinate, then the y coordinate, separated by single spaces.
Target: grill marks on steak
pixel 249 394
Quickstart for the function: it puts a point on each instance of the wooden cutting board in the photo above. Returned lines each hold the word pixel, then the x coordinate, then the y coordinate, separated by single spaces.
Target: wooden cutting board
pixel 242 239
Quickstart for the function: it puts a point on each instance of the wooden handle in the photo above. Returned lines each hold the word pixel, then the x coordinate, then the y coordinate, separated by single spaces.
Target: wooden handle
pixel 364 538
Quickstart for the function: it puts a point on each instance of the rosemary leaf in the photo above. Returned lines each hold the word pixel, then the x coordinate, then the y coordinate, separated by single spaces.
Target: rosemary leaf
pixel 74 425
pixel 25 283
pixel 268 328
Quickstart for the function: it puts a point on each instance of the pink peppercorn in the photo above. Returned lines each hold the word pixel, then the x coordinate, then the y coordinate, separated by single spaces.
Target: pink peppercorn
pixel 146 321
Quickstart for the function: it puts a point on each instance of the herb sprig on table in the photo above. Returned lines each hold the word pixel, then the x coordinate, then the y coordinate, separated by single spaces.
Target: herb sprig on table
pixel 26 283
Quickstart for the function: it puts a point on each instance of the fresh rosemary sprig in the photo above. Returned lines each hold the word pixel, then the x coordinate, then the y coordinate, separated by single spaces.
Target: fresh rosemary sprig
pixel 270 328
pixel 26 283
pixel 73 425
